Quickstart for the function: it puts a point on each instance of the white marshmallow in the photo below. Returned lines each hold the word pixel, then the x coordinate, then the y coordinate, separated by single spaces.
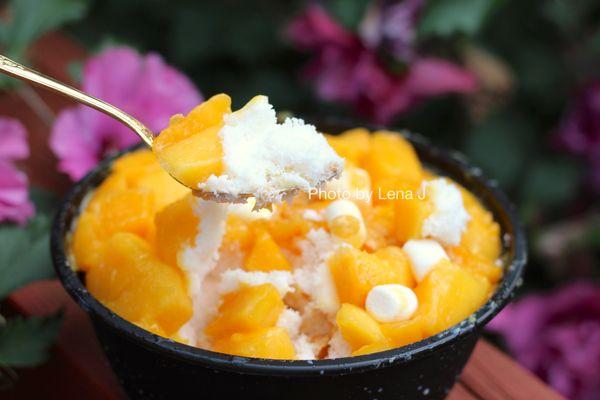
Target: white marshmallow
pixel 341 208
pixel 424 255
pixel 391 303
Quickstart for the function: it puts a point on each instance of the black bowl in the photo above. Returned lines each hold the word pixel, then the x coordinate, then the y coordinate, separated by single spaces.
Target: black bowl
pixel 151 367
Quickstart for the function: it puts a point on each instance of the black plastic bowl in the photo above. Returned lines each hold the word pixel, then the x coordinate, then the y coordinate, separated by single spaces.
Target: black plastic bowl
pixel 151 367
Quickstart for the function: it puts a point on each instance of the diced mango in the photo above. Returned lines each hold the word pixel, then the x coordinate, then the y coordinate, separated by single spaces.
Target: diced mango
pixel 352 145
pixel 447 295
pixel 356 272
pixel 176 225
pixel 274 343
pixel 265 254
pixel 404 332
pixel 482 236
pixel 237 234
pixel 247 309
pixel 133 283
pixel 376 347
pixel 88 241
pixel 475 264
pixel 127 211
pixel 166 189
pixel 399 262
pixel 190 147
pixel 379 221
pixel 392 157
pixel 357 327
pixel 409 214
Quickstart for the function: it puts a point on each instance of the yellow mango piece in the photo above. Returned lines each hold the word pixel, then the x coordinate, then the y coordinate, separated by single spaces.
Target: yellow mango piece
pixel 87 242
pixel 376 347
pixel 265 254
pixel 482 236
pixel 238 234
pixel 247 309
pixel 114 183
pixel 176 226
pixel 475 264
pixel 273 343
pixel 409 214
pixel 166 189
pixel 447 295
pixel 131 210
pixel 392 157
pixel 190 147
pixel 352 145
pixel 404 332
pixel 136 285
pixel 399 262
pixel 357 327
pixel 356 272
pixel 379 221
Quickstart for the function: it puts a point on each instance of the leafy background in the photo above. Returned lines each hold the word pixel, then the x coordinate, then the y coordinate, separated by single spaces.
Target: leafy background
pixel 546 50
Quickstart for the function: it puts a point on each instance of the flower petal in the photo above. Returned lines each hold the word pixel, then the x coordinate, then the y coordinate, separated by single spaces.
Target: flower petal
pixel 13 140
pixel 14 201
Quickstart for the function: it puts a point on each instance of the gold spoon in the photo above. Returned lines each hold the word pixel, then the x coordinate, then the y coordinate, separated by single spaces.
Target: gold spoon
pixel 16 70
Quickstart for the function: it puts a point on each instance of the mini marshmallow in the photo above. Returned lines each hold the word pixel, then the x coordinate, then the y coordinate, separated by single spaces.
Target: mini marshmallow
pixel 346 223
pixel 424 255
pixel 391 303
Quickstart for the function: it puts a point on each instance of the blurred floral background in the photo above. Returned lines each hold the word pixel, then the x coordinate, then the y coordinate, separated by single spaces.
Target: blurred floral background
pixel 513 84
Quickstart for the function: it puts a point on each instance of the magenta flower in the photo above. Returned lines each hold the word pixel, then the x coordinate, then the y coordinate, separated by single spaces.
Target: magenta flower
pixel 142 85
pixel 391 25
pixel 14 201
pixel 347 70
pixel 579 131
pixel 557 336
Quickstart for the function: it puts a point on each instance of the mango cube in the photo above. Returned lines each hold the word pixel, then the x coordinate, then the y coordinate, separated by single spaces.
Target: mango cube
pixel 247 309
pixel 392 158
pixel 190 147
pixel 273 343
pixel 136 285
pixel 176 226
pixel 447 295
pixel 357 327
pixel 404 332
pixel 399 262
pixel 352 145
pixel 87 242
pixel 356 272
pixel 376 347
pixel 265 255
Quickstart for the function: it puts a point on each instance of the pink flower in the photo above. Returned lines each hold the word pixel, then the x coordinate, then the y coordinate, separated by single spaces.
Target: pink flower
pixel 14 201
pixel 142 85
pixel 557 336
pixel 346 70
pixel 579 131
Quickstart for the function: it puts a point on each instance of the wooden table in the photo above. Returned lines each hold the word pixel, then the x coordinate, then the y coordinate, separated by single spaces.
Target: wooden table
pixel 77 367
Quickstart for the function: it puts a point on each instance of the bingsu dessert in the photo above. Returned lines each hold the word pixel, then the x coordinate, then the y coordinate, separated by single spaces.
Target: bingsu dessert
pixel 385 254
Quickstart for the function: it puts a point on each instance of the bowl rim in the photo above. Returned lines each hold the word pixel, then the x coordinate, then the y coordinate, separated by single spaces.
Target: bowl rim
pixel 512 278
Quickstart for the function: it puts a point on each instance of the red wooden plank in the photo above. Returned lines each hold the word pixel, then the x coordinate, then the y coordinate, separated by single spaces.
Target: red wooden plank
pixel 494 376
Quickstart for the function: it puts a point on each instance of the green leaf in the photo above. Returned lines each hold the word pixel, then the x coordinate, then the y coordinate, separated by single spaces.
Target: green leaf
pixel 348 12
pixel 29 19
pixel 551 182
pixel 25 252
pixel 501 145
pixel 25 342
pixel 448 17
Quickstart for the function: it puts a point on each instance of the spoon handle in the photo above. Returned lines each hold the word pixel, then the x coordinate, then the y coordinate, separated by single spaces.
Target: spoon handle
pixel 16 70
